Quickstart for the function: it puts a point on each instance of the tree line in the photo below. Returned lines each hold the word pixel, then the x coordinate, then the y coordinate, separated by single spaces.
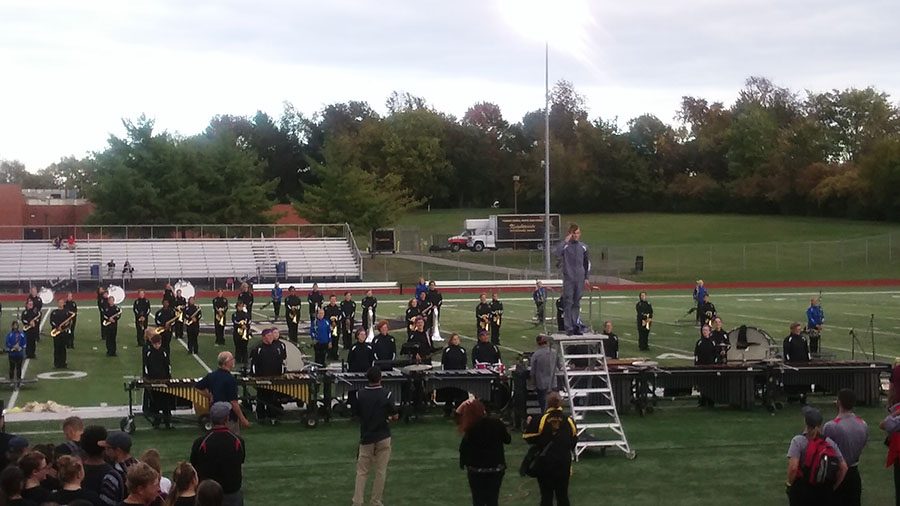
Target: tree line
pixel 774 150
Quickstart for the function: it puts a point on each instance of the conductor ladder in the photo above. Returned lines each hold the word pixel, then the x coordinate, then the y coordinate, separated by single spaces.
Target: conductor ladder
pixel 589 392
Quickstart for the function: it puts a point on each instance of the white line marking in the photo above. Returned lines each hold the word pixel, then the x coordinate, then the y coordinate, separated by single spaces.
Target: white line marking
pixel 196 357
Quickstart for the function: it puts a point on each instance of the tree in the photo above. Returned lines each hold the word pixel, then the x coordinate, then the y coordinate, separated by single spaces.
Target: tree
pixel 880 172
pixel 853 120
pixel 72 173
pixel 348 194
pixel 14 172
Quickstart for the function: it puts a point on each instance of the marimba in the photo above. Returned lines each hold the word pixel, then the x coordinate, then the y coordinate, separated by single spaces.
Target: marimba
pixel 829 377
pixel 183 390
pixel 299 387
pixel 478 382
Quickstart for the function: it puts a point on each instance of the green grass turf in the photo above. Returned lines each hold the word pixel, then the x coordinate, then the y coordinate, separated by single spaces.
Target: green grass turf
pixel 685 455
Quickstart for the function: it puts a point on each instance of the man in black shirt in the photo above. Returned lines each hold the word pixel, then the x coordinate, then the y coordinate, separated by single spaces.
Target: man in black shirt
pixel 72 307
pixel 707 311
pixel 348 313
pixel 482 315
pixel 496 318
pixel 141 310
pixel 221 386
pixel 644 313
pixel 100 477
pixel 192 317
pixel 426 311
pixel 720 338
pixel 179 307
pixel 796 349
pixel 267 360
pixel 31 325
pixel 333 316
pixel 374 407
pixel 369 305
pixel 60 321
pixel 435 300
pixel 292 313
pixel 705 353
pixel 240 322
pixel 484 351
pixel 412 312
pixel 164 319
pixel 246 296
pixel 110 325
pixel 220 455
pixel 35 299
pixel 157 366
pixel 611 344
pixel 315 300
pixel 384 345
pixel 220 306
pixel 361 356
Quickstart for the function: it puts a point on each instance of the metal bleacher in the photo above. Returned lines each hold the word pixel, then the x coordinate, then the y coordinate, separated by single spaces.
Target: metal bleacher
pixel 322 258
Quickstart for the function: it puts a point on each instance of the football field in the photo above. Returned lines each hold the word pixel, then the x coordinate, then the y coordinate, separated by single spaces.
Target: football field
pixel 685 455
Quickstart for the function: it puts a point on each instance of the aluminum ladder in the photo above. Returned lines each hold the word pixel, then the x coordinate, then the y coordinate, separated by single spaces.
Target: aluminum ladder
pixel 589 393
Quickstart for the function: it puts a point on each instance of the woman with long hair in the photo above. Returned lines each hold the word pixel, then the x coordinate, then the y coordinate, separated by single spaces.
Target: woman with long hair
pixel 481 451
pixel 184 485
pixel 71 474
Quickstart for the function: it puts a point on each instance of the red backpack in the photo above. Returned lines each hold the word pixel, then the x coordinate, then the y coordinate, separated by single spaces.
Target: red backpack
pixel 821 462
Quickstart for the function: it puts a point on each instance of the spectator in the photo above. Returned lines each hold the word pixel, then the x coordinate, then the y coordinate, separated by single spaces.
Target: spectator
pixel 127 270
pixel 894 386
pixel 800 492
pixel 57 242
pixel 851 434
pixel 891 425
pixel 143 485
pixel 71 474
pixel 209 493
pixel 98 476
pixel 11 480
pixel 51 480
pixel 481 452
pixel 220 454
pixel 111 268
pixel 184 486
pixel 5 438
pixel 70 243
pixel 18 445
pixel 374 407
pixel 118 452
pixel 34 470
pixel 73 428
pixel 556 435
pixel 153 459
pixel 544 364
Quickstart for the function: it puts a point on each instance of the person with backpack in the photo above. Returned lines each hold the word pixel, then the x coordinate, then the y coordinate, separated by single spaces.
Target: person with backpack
pixel 816 467
pixel 553 437
pixel 851 434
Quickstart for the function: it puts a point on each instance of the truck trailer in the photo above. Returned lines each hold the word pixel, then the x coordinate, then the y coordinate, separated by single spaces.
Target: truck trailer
pixel 520 231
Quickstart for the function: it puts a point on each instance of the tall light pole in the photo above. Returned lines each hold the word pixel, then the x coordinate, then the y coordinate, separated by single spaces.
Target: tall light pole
pixel 547 160
pixel 516 194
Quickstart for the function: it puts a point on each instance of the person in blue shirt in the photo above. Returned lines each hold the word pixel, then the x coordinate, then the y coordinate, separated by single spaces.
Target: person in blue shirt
pixel 815 318
pixel 276 299
pixel 699 292
pixel 421 287
pixel 15 350
pixel 320 332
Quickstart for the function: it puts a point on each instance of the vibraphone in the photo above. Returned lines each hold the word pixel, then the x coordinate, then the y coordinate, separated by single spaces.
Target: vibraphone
pixel 828 377
pixel 300 387
pixel 729 384
pixel 344 382
pixel 183 390
pixel 478 382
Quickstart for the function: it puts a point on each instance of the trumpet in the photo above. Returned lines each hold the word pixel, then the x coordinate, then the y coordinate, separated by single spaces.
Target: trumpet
pixel 166 326
pixel 63 326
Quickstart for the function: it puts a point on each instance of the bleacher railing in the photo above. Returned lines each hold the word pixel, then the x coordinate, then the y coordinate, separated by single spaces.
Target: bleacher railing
pixel 176 232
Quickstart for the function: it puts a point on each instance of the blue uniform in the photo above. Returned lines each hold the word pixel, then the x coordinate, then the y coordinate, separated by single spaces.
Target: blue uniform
pixel 320 332
pixel 12 339
pixel 815 316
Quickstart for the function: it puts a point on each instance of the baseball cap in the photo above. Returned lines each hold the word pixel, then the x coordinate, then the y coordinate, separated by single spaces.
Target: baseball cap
pixel 18 443
pixel 218 412
pixel 812 416
pixel 118 440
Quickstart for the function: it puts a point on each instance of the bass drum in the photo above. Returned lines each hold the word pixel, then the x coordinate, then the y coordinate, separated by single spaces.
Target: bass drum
pixel 46 295
pixel 187 289
pixel 117 293
pixel 750 344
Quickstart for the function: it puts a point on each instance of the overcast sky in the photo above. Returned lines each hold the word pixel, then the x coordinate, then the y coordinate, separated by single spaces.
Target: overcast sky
pixel 72 69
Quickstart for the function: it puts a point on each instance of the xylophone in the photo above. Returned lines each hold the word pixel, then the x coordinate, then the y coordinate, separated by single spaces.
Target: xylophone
pixel 478 382
pixel 339 384
pixel 298 386
pixel 728 384
pixel 828 377
pixel 183 390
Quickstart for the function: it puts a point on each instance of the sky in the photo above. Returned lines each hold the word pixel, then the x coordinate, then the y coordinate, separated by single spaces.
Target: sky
pixel 70 71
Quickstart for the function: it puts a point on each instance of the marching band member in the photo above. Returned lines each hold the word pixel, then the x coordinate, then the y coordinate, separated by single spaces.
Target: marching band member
pixel 418 346
pixel 361 356
pixel 348 314
pixel 384 345
pixel 720 339
pixel 111 325
pixel 796 349
pixel 421 286
pixel 35 299
pixel 705 353
pixel 482 315
pixel 539 295
pixel 240 321
pixel 292 313
pixel 169 294
pixel 315 300
pixel 369 302
pixel 496 318
pixel 15 350
pixel 333 315
pixel 180 304
pixel 157 365
pixel 192 317
pixel 560 315
pixel 644 318
pixel 141 309
pixel 320 332
pixel 484 351
pixel 31 324
pixel 220 306
pixel 60 324
pixel 815 318
pixel 707 311
pixel 426 310
pixel 164 319
pixel 266 361
pixel 436 299
pixel 698 295
pixel 454 356
pixel 246 297
pixel 611 345
pixel 72 307
pixel 412 312
pixel 276 299
pixel 102 298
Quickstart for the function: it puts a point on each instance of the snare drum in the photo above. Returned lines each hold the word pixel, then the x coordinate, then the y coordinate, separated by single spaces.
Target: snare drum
pixel 482 365
pixel 498 368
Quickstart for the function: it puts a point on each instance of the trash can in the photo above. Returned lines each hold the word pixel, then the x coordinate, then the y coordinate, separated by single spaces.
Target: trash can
pixel 95 271
pixel 281 270
pixel 639 263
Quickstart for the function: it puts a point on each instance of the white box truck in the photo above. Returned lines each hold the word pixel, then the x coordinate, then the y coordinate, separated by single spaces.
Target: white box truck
pixel 521 231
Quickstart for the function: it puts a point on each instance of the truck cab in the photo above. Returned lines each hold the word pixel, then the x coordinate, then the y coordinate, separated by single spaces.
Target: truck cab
pixel 478 235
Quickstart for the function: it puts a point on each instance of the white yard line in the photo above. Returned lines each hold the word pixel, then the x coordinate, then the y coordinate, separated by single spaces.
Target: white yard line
pixel 196 357
pixel 15 395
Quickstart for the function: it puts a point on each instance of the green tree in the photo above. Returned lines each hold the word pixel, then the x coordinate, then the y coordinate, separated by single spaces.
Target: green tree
pixel 14 172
